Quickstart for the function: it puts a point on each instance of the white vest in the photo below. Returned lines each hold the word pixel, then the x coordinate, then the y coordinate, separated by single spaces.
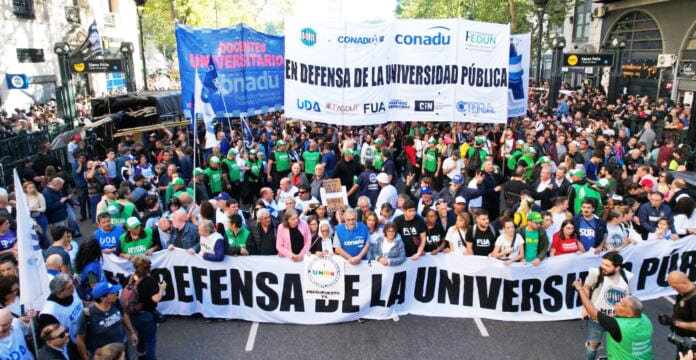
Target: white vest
pixel 14 346
pixel 68 316
pixel 208 242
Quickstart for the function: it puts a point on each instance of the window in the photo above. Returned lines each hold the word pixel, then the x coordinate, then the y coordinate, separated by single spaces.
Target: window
pixel 687 57
pixel 23 9
pixel 582 18
pixel 115 81
pixel 643 38
pixel 30 55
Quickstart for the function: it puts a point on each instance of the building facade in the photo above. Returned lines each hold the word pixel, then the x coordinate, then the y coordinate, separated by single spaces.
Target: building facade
pixel 30 28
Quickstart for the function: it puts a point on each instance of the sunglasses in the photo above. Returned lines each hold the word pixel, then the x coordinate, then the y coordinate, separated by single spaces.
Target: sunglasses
pixel 302 192
pixel 62 335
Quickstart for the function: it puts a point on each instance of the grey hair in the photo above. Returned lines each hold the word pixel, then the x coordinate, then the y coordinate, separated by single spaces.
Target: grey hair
pixel 59 282
pixel 262 213
pixel 636 305
pixel 209 226
pixel 365 198
pixel 350 211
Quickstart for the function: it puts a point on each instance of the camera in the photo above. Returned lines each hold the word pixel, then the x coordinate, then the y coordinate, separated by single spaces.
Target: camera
pixel 682 343
pixel 665 320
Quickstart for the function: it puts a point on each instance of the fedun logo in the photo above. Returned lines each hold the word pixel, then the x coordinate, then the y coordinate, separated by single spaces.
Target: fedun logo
pixel 572 60
pixel 479 39
pixel 308 36
pixel 426 40
pixel 323 272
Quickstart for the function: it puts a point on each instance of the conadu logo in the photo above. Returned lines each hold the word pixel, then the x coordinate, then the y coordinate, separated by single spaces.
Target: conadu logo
pixel 436 35
pixel 308 36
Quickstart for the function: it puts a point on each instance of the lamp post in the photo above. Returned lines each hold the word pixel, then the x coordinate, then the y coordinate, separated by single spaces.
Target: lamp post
pixel 140 7
pixel 557 44
pixel 127 49
pixel 540 9
pixel 65 94
pixel 617 44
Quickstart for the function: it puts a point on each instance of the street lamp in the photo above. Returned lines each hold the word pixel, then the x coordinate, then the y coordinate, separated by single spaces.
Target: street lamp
pixel 540 9
pixel 557 44
pixel 617 44
pixel 127 49
pixel 140 7
pixel 65 95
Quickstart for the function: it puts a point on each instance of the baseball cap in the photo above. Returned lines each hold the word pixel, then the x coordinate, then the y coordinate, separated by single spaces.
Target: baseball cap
pixel 457 179
pixel 520 142
pixel 232 151
pixel 280 142
pixel 432 140
pixel 544 160
pixel 223 196
pixel 77 137
pixel 535 217
pixel 530 150
pixel 460 200
pixel 252 152
pixel 214 160
pixel 178 181
pixel 349 152
pixel 379 141
pixel 383 178
pixel 112 210
pixel 425 190
pixel 132 222
pixel 197 171
pixel 577 173
pixel 480 140
pixel 646 182
pixel 104 288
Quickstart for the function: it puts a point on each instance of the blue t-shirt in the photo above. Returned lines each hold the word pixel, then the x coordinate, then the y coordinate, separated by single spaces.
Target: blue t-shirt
pixel 329 160
pixel 353 241
pixel 108 240
pixel 7 240
pixel 368 186
pixel 587 232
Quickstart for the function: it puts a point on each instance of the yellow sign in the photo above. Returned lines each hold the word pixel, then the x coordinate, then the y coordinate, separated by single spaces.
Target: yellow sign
pixel 572 60
pixel 79 67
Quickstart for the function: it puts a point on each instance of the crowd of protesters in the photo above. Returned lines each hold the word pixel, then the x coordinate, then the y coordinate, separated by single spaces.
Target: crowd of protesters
pixel 585 176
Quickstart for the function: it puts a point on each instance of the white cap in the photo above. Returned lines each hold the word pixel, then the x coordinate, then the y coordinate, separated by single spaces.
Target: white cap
pixel 460 199
pixel 383 178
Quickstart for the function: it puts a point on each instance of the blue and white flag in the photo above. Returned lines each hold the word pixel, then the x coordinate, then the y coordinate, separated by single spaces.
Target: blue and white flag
pixel 211 76
pixel 518 74
pixel 33 277
pixel 203 108
pixel 246 133
pixel 94 41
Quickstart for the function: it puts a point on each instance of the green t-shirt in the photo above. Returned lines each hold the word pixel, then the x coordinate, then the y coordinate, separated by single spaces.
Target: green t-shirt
pixel 239 240
pixel 311 159
pixel 636 339
pixel 531 245
pixel 377 162
pixel 137 247
pixel 214 179
pixel 527 161
pixel 512 160
pixel 255 167
pixel 431 160
pixel 281 161
pixel 232 169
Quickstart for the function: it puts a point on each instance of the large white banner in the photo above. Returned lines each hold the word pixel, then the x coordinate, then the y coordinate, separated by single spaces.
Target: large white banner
pixel 518 74
pixel 270 288
pixel 408 70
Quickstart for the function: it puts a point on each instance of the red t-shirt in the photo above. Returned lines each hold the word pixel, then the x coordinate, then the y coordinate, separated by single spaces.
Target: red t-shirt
pixel 567 246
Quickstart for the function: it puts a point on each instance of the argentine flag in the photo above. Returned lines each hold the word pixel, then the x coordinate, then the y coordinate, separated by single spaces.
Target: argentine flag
pixel 203 109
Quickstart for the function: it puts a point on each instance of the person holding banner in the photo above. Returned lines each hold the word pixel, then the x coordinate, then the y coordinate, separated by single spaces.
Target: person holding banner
pixel 412 230
pixel 352 239
pixel 13 344
pixel 535 241
pixel 389 250
pixel 293 239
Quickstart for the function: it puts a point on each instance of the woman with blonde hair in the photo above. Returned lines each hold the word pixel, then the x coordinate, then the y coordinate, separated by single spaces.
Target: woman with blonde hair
pixel 37 208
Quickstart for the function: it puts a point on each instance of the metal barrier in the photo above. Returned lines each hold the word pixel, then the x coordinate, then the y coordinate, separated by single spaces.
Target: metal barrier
pixel 14 151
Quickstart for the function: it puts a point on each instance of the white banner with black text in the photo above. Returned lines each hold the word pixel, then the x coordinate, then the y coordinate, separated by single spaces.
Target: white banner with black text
pixel 272 289
pixel 408 70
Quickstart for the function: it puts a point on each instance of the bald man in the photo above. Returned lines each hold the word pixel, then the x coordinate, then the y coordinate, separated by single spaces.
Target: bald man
pixel 184 233
pixel 12 342
pixel 685 306
pixel 54 265
pixel 109 195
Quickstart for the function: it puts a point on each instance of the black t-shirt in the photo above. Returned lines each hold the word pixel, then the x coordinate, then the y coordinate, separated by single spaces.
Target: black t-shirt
pixel 434 237
pixel 610 324
pixel 147 287
pixel 483 241
pixel 296 240
pixel 686 313
pixel 410 232
pixel 346 171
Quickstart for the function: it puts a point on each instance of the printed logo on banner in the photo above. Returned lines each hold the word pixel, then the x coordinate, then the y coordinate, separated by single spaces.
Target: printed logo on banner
pixel 308 105
pixel 474 108
pixel 308 36
pixel 374 108
pixel 424 105
pixel 325 278
pixel 355 40
pixel 480 41
pixel 342 108
pixel 398 104
pixel 436 35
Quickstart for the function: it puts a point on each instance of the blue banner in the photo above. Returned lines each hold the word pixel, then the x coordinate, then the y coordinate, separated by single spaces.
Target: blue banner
pixel 249 68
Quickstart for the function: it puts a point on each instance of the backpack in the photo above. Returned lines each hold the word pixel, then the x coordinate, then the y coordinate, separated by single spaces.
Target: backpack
pixel 600 280
pixel 474 163
pixel 130 297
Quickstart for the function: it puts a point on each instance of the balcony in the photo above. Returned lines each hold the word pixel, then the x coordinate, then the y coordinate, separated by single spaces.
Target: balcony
pixel 72 14
pixel 110 20
pixel 23 9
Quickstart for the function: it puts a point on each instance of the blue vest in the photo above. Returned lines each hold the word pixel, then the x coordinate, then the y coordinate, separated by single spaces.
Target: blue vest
pixel 353 241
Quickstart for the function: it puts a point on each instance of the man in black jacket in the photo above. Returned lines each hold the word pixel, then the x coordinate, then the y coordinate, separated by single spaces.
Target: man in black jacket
pixel 263 234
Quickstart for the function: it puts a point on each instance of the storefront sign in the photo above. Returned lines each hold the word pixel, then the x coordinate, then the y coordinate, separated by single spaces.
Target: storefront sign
pixel 586 60
pixel 98 66
pixel 641 69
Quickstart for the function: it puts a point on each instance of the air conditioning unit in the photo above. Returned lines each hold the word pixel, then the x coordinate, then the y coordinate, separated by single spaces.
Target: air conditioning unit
pixel 599 12
pixel 666 60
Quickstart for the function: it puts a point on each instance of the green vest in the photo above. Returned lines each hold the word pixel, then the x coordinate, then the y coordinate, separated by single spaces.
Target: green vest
pixel 214 179
pixel 255 168
pixel 636 340
pixel 233 170
pixel 188 190
pixel 311 158
pixel 512 160
pixel 378 161
pixel 239 240
pixel 430 160
pixel 126 212
pixel 581 193
pixel 282 161
pixel 529 164
pixel 137 247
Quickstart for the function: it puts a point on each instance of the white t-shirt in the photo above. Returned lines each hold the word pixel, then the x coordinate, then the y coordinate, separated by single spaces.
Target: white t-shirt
pixel 615 236
pixel 386 246
pixel 388 194
pixel 284 194
pixel 505 244
pixel 682 223
pixel 14 346
pixel 458 165
pixel 613 289
pixel 456 238
pixel 476 202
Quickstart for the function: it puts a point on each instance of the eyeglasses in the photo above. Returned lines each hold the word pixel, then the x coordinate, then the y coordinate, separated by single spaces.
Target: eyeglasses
pixel 61 335
pixel 302 192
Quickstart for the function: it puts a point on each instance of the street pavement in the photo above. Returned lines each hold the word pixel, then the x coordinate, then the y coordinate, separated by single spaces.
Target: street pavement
pixel 413 337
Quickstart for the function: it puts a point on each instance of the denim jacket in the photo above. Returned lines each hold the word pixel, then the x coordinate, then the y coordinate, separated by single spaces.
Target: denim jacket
pixel 186 238
pixel 396 255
